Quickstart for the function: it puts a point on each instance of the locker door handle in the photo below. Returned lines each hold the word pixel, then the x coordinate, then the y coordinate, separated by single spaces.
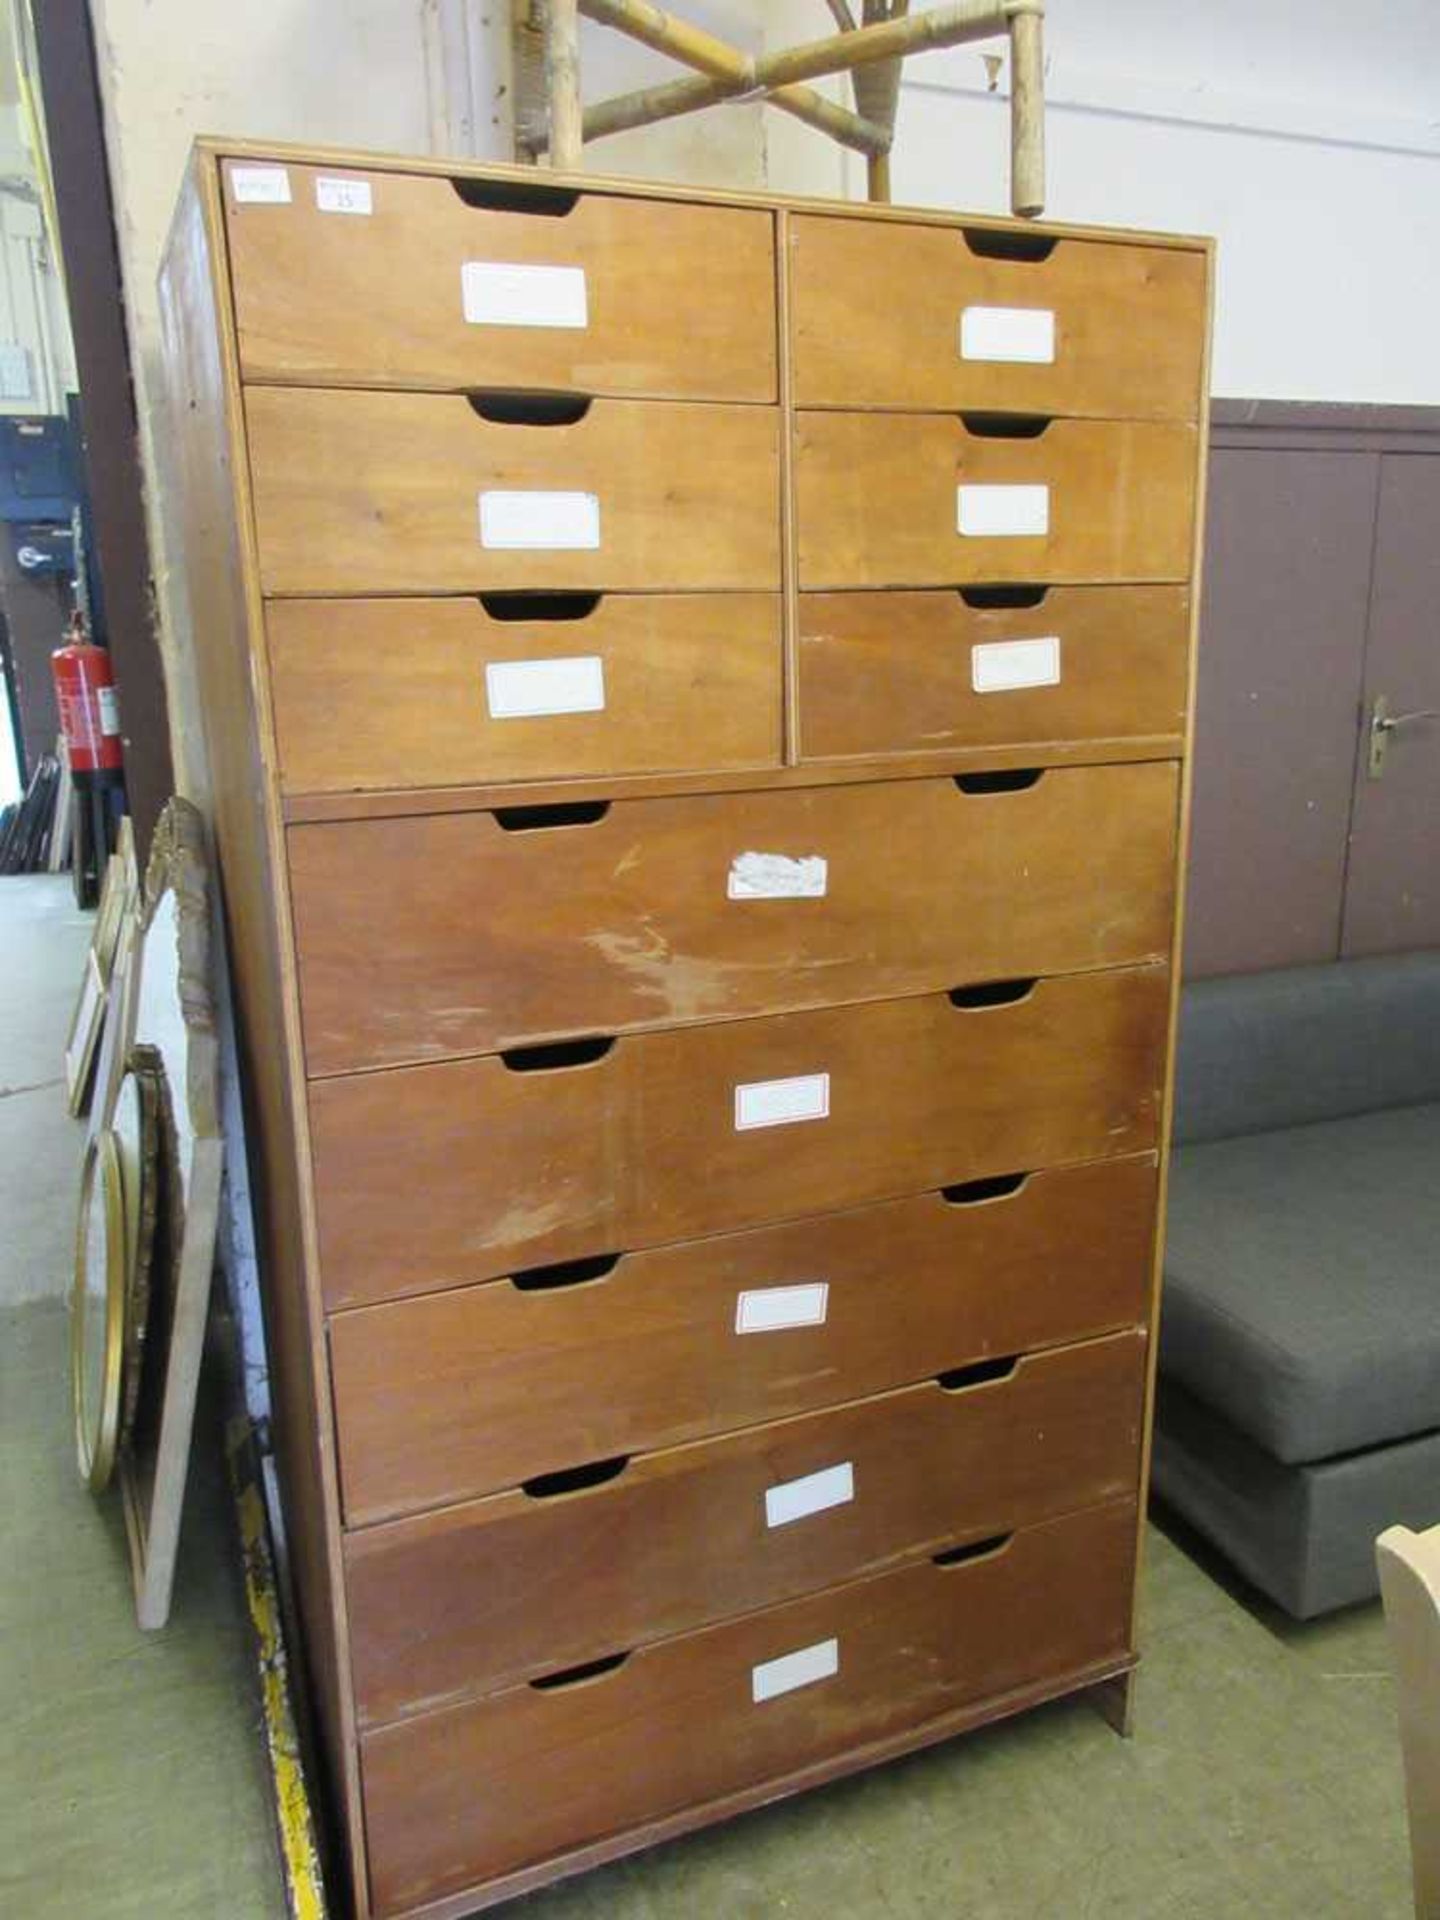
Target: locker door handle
pixel 1383 724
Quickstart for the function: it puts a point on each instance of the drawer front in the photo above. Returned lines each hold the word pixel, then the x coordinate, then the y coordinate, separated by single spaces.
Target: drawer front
pixel 473 1598
pixel 430 1176
pixel 463 1795
pixel 420 493
pixel 402 280
pixel 469 1391
pixel 373 694
pixel 921 500
pixel 497 936
pixel 931 673
pixel 1093 327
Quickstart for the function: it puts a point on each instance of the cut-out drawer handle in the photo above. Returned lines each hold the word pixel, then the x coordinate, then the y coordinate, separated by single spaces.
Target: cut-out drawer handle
pixel 980 1373
pixel 516 196
pixel 1005 426
pixel 565 1273
pixel 576 1676
pixel 975 1193
pixel 997 244
pixel 536 608
pixel 556 1056
pixel 582 1479
pixel 991 993
pixel 564 813
pixel 985 599
pixel 976 1550
pixel 530 409
pixel 1000 780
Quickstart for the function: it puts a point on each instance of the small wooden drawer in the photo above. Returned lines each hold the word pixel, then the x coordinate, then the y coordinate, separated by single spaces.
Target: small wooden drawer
pixel 474 1597
pixel 371 694
pixel 488 931
pixel 475 1389
pixel 468 1794
pixel 431 1176
pixel 1009 322
pixel 422 493
pixel 378 279
pixel 936 672
pixel 925 500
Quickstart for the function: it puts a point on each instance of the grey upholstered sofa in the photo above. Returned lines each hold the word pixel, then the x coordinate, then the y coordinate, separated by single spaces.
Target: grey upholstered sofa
pixel 1299 1404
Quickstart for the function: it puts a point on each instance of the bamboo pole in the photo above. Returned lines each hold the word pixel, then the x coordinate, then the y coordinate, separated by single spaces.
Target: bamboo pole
pixel 726 65
pixel 562 82
pixel 943 27
pixel 1027 115
pixel 877 94
pixel 527 78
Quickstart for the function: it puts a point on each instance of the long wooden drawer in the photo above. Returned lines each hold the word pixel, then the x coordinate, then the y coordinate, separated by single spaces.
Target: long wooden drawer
pixel 475 1389
pixel 475 1597
pixel 467 1794
pixel 404 693
pixel 374 279
pixel 484 931
pixel 923 500
pixel 430 1176
pixel 420 493
pixel 1094 327
pixel 931 672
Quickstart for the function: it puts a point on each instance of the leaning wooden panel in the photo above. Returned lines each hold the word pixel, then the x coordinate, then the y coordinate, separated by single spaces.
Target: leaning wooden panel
pixel 472 1598
pixel 474 1389
pixel 362 278
pixel 938 672
pixel 463 1795
pixel 1003 323
pixel 430 1176
pixel 400 693
pixel 925 500
pixel 515 929
pixel 423 493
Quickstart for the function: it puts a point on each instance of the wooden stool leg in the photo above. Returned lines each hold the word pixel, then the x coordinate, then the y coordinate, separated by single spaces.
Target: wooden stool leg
pixel 1410 1585
pixel 1114 1701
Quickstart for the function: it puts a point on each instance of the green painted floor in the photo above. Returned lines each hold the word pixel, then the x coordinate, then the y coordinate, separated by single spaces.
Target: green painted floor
pixel 1264 1778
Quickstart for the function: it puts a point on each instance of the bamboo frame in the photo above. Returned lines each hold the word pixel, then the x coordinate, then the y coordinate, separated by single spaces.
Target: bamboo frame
pixel 871 49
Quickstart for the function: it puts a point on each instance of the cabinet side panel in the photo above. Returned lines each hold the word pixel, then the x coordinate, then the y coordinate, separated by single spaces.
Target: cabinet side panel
pixel 209 508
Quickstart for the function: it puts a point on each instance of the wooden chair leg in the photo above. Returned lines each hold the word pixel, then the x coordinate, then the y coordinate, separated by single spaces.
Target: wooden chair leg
pixel 1410 1586
pixel 1114 1701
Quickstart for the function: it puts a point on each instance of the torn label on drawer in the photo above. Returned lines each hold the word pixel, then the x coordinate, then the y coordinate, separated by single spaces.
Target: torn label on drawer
pixel 998 666
pixel 780 1103
pixel 988 513
pixel 343 196
pixel 1018 335
pixel 814 1493
pixel 529 689
pixel 260 186
pixel 498 293
pixel 549 522
pixel 799 1669
pixel 772 1309
pixel 777 876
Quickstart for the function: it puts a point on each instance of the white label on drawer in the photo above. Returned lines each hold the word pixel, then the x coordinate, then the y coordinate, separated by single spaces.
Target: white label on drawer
pixel 1000 665
pixel 498 294
pixel 343 196
pixel 772 1309
pixel 527 689
pixel 262 186
pixel 1019 334
pixel 779 1103
pixel 549 521
pixel 796 1499
pixel 799 1669
pixel 989 512
pixel 777 876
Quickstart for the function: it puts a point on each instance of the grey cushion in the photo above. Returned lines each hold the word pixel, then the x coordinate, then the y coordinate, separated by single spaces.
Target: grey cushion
pixel 1302 1281
pixel 1303 1044
pixel 1304 1535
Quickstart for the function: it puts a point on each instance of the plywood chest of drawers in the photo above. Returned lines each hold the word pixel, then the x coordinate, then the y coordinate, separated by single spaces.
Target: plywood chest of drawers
pixel 697 696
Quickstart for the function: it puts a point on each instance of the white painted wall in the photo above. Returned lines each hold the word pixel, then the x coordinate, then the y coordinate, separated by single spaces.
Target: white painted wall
pixel 32 305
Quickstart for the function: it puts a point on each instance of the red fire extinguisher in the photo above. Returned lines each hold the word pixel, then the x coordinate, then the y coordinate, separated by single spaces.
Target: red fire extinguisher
pixel 89 711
